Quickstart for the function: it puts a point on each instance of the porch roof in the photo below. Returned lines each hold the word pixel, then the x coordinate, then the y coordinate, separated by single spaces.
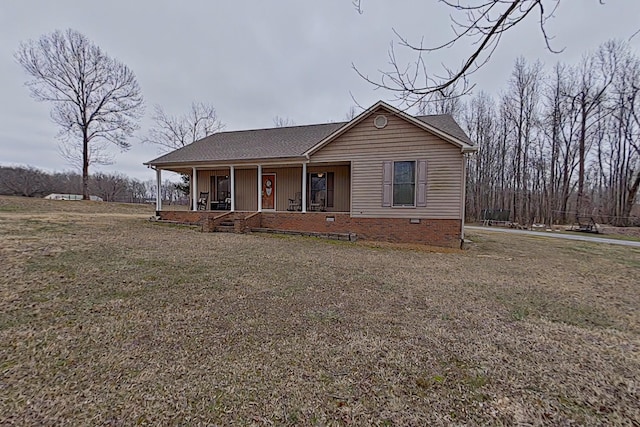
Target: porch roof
pixel 285 142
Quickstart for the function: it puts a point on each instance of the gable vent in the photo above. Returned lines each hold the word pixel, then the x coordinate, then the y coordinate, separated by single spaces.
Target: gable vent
pixel 380 121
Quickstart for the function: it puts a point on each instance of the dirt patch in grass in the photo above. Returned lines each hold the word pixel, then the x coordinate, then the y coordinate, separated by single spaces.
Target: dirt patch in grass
pixel 106 318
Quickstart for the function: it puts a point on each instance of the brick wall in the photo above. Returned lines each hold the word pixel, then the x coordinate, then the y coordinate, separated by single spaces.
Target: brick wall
pixel 437 232
pixel 186 217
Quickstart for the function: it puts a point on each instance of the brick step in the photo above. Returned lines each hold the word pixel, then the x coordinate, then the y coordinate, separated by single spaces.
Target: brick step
pixel 227 223
pixel 225 229
pixel 350 237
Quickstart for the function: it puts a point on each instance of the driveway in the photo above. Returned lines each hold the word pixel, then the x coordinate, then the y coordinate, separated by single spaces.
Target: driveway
pixel 577 236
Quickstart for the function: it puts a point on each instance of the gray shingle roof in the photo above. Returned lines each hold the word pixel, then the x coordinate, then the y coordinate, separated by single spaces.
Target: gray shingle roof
pixel 251 144
pixel 274 143
pixel 446 124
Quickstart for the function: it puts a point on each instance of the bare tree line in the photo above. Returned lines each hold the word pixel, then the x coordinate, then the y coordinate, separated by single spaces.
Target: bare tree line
pixel 31 182
pixel 557 145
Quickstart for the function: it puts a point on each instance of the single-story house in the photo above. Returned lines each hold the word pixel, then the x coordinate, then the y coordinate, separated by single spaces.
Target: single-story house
pixel 384 175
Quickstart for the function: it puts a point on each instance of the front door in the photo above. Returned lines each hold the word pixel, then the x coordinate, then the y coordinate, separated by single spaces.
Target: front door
pixel 269 191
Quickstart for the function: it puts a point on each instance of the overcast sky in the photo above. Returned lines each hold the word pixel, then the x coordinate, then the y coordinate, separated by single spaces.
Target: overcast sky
pixel 255 59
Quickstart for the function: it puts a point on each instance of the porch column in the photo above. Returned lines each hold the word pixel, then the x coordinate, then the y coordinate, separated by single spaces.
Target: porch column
pixel 259 188
pixel 304 187
pixel 158 190
pixel 232 192
pixel 194 187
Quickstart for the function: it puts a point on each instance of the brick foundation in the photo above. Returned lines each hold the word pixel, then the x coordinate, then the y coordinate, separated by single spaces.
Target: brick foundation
pixel 436 232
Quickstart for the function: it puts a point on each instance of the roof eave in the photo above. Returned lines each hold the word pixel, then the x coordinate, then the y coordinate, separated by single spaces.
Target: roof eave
pixel 465 147
pixel 230 162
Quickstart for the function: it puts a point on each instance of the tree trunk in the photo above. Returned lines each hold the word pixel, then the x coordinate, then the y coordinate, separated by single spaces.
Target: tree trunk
pixel 85 165
pixel 631 198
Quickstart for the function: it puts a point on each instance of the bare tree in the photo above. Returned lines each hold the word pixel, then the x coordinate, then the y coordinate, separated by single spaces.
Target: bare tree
pixel 282 122
pixel 96 99
pixel 480 22
pixel 352 113
pixel 446 101
pixel 110 187
pixel 24 181
pixel 173 132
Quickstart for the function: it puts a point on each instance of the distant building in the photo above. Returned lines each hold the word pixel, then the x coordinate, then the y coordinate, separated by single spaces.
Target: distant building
pixel 57 196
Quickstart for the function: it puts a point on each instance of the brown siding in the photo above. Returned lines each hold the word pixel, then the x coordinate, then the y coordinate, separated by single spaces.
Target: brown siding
pixel 204 180
pixel 341 185
pixel 368 147
pixel 246 189
pixel 287 183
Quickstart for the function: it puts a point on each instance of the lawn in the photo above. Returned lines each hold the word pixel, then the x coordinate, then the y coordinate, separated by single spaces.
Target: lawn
pixel 107 318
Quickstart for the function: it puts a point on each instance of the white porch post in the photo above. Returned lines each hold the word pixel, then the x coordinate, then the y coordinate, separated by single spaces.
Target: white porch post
pixel 232 193
pixel 158 189
pixel 259 188
pixel 194 186
pixel 304 187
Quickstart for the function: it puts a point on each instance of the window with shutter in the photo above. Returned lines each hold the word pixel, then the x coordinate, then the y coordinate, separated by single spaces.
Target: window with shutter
pixel 404 183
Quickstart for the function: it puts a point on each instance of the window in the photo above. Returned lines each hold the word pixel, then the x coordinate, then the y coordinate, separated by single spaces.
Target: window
pixel 404 183
pixel 320 190
pixel 220 188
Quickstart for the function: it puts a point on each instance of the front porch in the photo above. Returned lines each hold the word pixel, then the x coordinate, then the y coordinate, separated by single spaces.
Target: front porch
pixel 269 188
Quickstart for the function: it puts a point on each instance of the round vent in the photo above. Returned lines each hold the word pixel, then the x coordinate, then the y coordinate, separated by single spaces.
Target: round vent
pixel 380 121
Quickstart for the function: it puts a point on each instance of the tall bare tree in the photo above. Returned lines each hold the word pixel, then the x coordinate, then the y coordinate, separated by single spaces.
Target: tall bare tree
pixel 96 99
pixel 172 132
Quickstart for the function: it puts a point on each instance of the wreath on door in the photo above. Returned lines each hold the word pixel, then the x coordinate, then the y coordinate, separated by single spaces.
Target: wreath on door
pixel 268 185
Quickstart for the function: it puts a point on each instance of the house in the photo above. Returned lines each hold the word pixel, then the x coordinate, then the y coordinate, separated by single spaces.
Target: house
pixel 384 175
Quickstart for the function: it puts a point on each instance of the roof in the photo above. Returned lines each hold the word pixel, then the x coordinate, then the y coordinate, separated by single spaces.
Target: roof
pixel 446 124
pixel 288 142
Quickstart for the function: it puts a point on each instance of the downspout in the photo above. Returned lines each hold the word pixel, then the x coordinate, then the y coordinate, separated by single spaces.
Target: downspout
pixel 465 157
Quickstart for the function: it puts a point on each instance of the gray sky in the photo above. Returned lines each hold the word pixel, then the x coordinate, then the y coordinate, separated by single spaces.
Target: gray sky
pixel 255 59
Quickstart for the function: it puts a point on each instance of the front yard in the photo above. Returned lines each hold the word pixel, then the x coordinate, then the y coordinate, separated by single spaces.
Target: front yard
pixel 108 319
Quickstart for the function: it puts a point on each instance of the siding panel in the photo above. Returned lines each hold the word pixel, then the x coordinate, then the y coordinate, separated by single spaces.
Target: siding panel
pixel 368 147
pixel 246 189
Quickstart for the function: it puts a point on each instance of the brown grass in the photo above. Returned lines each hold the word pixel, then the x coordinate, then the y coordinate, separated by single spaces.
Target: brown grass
pixel 106 318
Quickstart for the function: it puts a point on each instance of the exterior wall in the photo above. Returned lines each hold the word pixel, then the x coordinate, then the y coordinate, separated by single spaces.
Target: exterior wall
pixel 204 180
pixel 341 185
pixel 246 189
pixel 436 232
pixel 186 217
pixel 288 182
pixel 368 147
